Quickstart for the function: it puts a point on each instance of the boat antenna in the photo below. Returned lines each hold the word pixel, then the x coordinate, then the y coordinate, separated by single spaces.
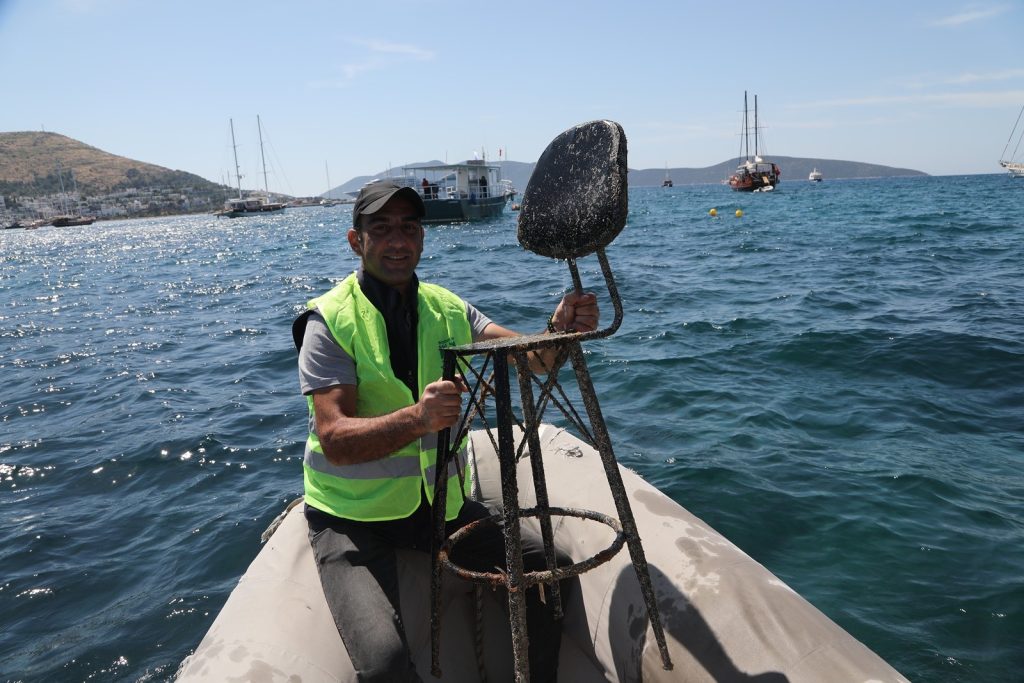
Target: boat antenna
pixel 263 159
pixel 234 148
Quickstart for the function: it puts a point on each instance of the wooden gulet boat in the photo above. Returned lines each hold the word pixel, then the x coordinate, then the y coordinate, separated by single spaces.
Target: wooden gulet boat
pixel 67 221
pixel 254 204
pixel 70 217
pixel 754 174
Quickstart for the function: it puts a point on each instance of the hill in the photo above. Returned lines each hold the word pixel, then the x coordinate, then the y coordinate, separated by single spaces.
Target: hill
pixel 793 168
pixel 29 162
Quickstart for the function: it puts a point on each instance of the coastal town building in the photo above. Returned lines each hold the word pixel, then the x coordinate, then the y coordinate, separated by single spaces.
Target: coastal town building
pixel 127 203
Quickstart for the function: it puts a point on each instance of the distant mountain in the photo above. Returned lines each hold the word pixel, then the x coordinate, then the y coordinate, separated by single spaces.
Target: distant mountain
pixel 793 168
pixel 29 162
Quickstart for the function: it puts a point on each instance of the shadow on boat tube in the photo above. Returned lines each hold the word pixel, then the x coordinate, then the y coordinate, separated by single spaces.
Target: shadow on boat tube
pixel 696 651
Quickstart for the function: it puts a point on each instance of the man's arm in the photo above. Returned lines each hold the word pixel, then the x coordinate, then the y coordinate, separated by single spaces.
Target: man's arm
pixel 328 374
pixel 577 312
pixel 347 439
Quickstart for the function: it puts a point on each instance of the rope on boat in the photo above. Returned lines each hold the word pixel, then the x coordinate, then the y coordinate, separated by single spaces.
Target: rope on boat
pixel 478 630
pixel 265 536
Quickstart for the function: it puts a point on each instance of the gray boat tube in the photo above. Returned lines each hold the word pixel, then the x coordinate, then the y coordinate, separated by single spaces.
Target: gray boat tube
pixel 726 617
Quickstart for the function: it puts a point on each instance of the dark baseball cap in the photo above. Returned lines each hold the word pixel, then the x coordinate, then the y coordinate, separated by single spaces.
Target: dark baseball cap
pixel 377 193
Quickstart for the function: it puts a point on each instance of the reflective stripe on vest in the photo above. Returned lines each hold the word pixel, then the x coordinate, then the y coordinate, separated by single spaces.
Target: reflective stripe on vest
pixel 384 468
pixel 388 488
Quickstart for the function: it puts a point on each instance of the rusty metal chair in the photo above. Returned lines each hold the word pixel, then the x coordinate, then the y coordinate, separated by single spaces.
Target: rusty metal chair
pixel 575 205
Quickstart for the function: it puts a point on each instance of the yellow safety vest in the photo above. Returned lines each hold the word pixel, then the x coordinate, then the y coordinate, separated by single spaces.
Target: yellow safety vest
pixel 388 488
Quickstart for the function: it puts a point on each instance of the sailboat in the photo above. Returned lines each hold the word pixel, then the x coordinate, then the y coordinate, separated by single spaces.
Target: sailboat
pixel 252 205
pixel 667 182
pixel 1014 168
pixel 327 200
pixel 753 174
pixel 69 218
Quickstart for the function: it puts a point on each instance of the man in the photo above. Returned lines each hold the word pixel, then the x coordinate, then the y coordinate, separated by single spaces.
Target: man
pixel 370 369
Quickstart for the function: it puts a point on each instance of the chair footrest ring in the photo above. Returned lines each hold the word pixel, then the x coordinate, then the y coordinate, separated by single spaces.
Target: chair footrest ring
pixel 533 578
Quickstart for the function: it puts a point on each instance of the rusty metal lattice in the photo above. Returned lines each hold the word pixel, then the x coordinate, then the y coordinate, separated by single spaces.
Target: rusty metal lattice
pixel 574 205
pixel 497 354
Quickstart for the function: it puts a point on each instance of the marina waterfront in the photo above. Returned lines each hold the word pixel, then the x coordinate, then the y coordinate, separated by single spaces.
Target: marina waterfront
pixel 834 381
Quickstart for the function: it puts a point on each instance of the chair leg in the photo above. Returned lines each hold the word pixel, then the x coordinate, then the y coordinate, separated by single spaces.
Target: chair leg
pixel 623 509
pixel 539 484
pixel 510 516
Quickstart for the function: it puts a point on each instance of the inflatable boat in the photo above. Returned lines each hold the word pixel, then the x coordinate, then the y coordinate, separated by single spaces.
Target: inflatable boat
pixel 726 617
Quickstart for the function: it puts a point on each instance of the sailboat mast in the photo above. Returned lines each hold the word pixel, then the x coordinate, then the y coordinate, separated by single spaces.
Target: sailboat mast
pixel 74 185
pixel 746 129
pixel 63 193
pixel 263 159
pixel 756 151
pixel 234 147
pixel 327 171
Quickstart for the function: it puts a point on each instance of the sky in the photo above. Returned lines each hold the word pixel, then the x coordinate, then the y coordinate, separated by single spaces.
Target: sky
pixel 345 89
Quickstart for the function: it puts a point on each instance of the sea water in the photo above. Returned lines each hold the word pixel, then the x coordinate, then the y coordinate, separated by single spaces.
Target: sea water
pixel 834 381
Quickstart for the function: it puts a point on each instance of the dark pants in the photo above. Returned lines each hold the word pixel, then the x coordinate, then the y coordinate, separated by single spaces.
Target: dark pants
pixel 359 573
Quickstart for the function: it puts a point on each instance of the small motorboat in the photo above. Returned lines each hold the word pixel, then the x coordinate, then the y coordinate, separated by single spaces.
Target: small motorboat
pixel 726 617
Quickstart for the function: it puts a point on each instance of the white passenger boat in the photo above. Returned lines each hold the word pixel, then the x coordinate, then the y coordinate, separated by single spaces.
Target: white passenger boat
pixel 472 190
pixel 726 617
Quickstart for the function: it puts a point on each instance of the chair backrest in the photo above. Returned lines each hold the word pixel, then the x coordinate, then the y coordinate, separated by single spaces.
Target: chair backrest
pixel 576 201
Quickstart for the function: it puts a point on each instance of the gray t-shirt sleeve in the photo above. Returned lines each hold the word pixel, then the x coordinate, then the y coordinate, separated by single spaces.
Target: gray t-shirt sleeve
pixel 477 320
pixel 322 362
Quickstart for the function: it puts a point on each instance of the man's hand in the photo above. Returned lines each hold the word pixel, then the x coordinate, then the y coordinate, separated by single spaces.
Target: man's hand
pixel 441 404
pixel 577 312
